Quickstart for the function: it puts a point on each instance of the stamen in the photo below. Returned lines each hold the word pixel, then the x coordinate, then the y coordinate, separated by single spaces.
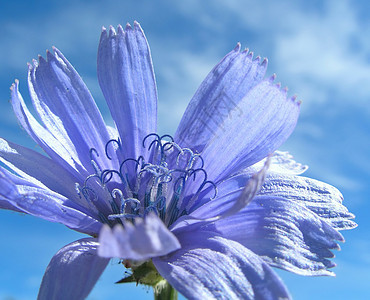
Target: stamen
pixel 88 201
pixel 193 199
pixel 103 218
pixel 130 159
pixel 93 161
pixel 96 167
pixel 83 194
pixel 109 142
pixel 93 150
pixel 165 176
pixel 91 176
pixel 192 157
pixel 194 172
pixel 109 173
pixel 124 204
pixel 167 136
pixel 149 135
pixel 120 195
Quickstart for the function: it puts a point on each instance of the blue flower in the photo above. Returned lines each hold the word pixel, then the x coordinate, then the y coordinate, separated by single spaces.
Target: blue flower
pixel 211 210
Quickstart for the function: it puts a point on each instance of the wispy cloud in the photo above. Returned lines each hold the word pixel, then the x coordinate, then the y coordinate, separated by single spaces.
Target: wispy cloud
pixel 321 50
pixel 327 51
pixel 75 30
pixel 179 75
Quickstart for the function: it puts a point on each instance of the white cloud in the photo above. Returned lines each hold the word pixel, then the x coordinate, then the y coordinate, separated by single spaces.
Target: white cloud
pixel 317 51
pixel 75 30
pixel 180 73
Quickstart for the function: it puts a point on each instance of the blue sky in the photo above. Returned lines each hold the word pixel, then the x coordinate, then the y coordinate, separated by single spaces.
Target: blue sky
pixel 319 49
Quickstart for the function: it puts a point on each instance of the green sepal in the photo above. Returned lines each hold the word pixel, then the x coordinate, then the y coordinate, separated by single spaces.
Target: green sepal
pixel 145 274
pixel 148 275
pixel 164 291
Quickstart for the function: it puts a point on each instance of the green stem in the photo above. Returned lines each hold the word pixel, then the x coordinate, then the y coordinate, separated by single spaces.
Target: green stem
pixel 164 291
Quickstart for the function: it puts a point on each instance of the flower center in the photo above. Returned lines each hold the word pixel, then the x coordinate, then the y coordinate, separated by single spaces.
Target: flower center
pixel 166 179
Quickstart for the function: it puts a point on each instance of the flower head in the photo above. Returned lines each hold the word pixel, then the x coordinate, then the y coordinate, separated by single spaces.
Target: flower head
pixel 210 210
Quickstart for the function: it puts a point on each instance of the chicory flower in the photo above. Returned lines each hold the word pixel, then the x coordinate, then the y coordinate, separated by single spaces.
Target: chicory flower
pixel 210 210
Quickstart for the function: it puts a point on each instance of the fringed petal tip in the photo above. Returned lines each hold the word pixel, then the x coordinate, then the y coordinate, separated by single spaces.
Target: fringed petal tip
pixel 276 115
pixel 346 224
pixel 120 31
pixel 14 87
pixel 257 60
pixel 125 71
pixel 237 47
pixel 272 78
pixel 50 56
pixel 41 61
pixel 284 90
pixel 321 198
pixel 217 103
pixel 285 234
pixel 112 31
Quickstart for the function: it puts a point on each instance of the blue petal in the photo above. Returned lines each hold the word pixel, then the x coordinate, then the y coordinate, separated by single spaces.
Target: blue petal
pixel 319 197
pixel 59 152
pixel 230 197
pixel 211 267
pixel 285 234
pixel 46 204
pixel 66 106
pixel 8 191
pixel 218 98
pixel 126 77
pixel 38 168
pixel 264 120
pixel 146 239
pixel 73 271
pixel 5 204
pixel 281 162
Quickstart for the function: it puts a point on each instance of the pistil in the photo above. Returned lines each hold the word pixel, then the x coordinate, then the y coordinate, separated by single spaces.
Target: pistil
pixel 139 187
